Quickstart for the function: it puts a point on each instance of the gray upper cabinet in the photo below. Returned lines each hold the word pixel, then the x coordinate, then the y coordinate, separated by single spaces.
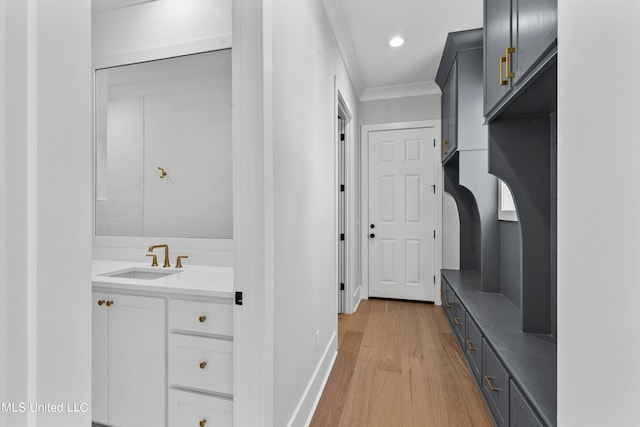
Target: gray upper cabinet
pixel 460 78
pixel 518 35
pixel 497 38
pixel 450 114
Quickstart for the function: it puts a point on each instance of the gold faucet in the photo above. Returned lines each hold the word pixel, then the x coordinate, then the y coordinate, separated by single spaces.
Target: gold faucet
pixel 166 253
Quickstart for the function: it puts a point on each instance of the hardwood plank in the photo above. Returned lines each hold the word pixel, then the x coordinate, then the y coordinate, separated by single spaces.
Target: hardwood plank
pixel 399 365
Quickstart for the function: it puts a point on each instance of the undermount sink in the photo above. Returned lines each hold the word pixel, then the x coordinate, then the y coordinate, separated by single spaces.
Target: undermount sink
pixel 140 274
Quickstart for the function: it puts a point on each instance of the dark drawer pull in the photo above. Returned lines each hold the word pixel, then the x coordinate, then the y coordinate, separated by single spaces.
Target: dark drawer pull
pixel 457 321
pixel 470 346
pixel 488 379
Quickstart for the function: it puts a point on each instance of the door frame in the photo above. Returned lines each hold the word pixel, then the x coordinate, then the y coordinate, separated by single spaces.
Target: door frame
pixel 364 176
pixel 351 200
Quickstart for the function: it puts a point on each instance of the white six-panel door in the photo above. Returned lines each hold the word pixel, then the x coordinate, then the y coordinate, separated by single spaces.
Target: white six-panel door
pixel 402 214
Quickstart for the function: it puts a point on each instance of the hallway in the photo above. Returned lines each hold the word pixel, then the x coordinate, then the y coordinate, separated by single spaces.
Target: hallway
pixel 398 364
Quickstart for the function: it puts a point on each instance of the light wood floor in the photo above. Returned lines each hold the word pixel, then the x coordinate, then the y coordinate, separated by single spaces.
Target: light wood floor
pixel 399 365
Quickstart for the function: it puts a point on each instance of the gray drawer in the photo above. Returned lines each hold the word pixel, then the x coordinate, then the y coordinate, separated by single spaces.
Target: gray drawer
pixel 458 320
pixel 473 347
pixel 448 300
pixel 521 413
pixel 495 385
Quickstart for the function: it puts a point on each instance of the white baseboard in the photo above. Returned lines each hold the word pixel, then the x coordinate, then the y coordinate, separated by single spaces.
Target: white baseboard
pixel 311 397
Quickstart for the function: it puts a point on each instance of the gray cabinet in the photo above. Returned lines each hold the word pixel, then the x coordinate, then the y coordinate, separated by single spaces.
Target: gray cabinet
pixel 473 347
pixel 458 320
pixel 497 37
pixel 495 385
pixel 450 114
pixel 460 78
pixel 518 35
pixel 521 413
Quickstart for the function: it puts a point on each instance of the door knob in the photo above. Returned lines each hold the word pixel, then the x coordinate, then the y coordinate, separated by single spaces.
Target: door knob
pixel 371 236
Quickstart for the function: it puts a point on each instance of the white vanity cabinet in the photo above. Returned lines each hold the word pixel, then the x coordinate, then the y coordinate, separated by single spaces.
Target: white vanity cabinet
pixel 162 346
pixel 129 341
pixel 200 358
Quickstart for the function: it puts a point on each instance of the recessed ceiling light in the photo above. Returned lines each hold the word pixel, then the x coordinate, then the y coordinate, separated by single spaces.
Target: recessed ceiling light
pixel 396 41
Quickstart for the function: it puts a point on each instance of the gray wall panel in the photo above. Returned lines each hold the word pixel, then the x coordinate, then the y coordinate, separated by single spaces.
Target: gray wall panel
pixel 510 261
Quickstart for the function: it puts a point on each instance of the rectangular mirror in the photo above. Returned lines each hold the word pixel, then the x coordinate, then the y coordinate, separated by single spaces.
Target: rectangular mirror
pixel 163 148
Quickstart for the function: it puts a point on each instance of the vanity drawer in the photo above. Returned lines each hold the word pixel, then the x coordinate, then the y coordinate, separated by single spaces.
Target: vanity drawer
pixel 495 385
pixel 193 409
pixel 201 316
pixel 201 363
pixel 473 347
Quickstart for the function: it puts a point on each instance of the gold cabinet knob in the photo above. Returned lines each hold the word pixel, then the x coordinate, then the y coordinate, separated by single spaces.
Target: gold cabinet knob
pixel 203 365
pixel 202 423
pixel 101 302
pixel 109 303
pixel 202 319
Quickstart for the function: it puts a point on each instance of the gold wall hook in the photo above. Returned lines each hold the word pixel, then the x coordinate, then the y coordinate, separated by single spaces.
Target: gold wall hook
pixel 162 172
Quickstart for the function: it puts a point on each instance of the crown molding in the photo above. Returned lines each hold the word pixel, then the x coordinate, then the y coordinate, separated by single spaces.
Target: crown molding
pixel 340 28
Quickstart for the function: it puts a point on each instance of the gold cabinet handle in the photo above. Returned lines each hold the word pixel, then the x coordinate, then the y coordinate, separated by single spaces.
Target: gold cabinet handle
pixel 109 303
pixel 162 172
pixel 470 346
pixel 507 53
pixel 203 365
pixel 457 321
pixel 488 379
pixel 445 146
pixel 202 423
pixel 202 319
pixel 503 60
pixel 101 302
pixel 448 304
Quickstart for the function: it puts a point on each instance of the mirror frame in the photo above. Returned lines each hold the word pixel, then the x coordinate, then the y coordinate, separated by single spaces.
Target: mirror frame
pixel 213 251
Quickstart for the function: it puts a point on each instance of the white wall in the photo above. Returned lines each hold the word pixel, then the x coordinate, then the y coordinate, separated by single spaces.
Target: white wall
pixel 304 58
pixel 46 216
pixel 598 211
pixel 160 29
pixel 394 110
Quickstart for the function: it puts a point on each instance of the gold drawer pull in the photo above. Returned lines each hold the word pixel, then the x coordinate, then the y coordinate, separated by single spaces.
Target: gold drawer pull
pixel 470 346
pixel 109 303
pixel 446 146
pixel 488 379
pixel 202 423
pixel 101 302
pixel 503 82
pixel 203 365
pixel 457 321
pixel 202 319
pixel 448 304
pixel 507 53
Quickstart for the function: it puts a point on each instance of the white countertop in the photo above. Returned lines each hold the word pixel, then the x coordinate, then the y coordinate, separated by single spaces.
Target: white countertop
pixel 188 280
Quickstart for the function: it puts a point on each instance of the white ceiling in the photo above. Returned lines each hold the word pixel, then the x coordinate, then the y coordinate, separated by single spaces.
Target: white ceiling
pixel 363 29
